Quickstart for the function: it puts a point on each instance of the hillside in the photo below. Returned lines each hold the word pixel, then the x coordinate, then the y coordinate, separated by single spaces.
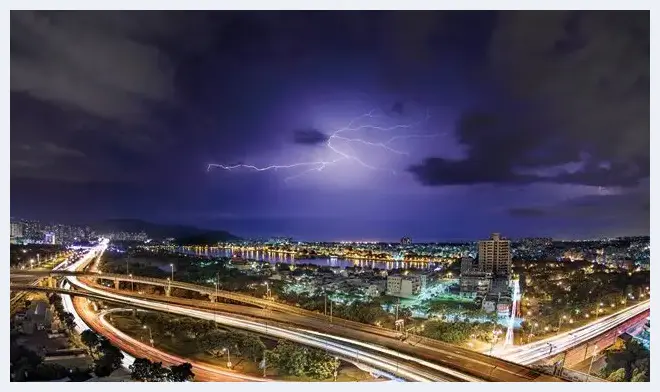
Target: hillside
pixel 160 231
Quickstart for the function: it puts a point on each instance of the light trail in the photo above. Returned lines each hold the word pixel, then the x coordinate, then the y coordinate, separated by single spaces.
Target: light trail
pixel 402 370
pixel 536 351
pixel 342 154
pixel 508 341
pixel 67 304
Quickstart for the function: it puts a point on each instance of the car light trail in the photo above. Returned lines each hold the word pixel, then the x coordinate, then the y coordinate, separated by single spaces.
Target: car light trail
pixel 402 370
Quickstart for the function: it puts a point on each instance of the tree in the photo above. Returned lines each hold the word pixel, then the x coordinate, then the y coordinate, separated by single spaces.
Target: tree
pixel 69 320
pixel 639 376
pixel 22 362
pixel 632 356
pixel 252 347
pixel 213 342
pixel 292 359
pixel 181 373
pixel 143 369
pixel 617 375
pixel 91 340
pixel 288 358
pixel 110 358
pixel 320 365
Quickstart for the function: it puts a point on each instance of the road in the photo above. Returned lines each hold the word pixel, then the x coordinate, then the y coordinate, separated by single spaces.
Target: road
pixel 203 371
pixel 46 265
pixel 416 359
pixel 533 352
pixel 371 360
pixel 458 362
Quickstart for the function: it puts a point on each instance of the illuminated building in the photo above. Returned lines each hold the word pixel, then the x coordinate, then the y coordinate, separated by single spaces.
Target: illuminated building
pixel 475 284
pixel 406 241
pixel 17 229
pixel 406 286
pixel 49 238
pixel 495 255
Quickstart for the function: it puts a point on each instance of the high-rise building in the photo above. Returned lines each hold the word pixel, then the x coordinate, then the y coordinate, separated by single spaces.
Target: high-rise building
pixel 467 264
pixel 49 238
pixel 16 229
pixel 406 241
pixel 495 255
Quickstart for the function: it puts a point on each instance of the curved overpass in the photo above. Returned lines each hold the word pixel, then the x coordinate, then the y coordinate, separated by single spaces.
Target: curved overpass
pixel 451 357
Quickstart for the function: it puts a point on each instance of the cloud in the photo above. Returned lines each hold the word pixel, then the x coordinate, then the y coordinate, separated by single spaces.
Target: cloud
pixel 579 88
pixel 59 151
pixel 310 137
pixel 631 206
pixel 89 61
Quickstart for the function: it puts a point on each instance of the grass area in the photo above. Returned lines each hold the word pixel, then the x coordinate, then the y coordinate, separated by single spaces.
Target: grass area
pixel 188 348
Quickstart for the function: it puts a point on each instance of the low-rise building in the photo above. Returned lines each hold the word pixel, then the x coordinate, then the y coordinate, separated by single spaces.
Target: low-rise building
pixel 475 284
pixel 406 286
pixel 38 317
pixel 373 291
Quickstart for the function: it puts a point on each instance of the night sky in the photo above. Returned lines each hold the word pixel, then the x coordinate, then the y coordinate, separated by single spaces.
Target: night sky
pixel 451 124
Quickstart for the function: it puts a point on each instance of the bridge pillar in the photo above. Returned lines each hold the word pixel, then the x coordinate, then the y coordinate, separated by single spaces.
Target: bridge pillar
pixel 168 291
pixel 116 284
pixel 213 298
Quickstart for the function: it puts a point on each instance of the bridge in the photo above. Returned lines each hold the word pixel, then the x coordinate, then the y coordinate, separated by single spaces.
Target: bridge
pixel 576 345
pixel 433 353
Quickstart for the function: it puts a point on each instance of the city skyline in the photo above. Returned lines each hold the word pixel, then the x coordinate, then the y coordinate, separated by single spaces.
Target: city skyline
pixel 433 132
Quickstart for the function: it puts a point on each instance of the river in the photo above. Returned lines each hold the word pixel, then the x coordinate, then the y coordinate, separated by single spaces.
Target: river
pixel 273 257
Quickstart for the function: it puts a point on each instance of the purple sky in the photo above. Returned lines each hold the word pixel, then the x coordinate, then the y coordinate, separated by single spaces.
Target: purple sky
pixel 118 115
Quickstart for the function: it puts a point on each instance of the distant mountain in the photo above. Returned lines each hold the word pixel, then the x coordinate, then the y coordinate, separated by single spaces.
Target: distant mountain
pixel 160 231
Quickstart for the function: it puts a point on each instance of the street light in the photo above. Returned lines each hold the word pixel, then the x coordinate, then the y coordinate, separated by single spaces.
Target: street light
pixel 228 357
pixel 562 318
pixel 496 335
pixel 337 366
pixel 151 338
pixel 172 266
pixel 531 333
pixel 131 276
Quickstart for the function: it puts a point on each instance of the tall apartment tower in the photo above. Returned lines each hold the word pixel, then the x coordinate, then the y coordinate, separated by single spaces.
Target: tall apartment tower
pixel 495 256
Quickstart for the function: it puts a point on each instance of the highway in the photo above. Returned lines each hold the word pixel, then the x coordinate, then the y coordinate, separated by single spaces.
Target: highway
pixel 203 371
pixel 360 355
pixel 16 299
pixel 455 359
pixel 533 352
pixel 416 359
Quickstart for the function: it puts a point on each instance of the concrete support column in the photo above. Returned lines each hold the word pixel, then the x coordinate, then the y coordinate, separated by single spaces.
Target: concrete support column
pixel 168 290
pixel 213 298
pixel 116 284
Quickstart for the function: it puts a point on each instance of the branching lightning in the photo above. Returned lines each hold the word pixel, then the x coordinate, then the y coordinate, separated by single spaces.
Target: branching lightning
pixel 342 155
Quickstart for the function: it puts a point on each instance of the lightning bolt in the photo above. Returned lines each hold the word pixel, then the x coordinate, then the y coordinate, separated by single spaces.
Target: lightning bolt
pixel 342 155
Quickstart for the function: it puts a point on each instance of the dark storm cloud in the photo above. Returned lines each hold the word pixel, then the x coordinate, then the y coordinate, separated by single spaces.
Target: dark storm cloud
pixel 87 61
pixel 310 137
pixel 582 83
pixel 631 207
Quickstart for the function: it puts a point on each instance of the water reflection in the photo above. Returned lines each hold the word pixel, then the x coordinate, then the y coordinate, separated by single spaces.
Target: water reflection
pixel 288 258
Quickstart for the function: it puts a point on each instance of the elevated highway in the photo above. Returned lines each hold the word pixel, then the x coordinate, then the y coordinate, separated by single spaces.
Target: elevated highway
pixel 454 361
pixel 596 334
